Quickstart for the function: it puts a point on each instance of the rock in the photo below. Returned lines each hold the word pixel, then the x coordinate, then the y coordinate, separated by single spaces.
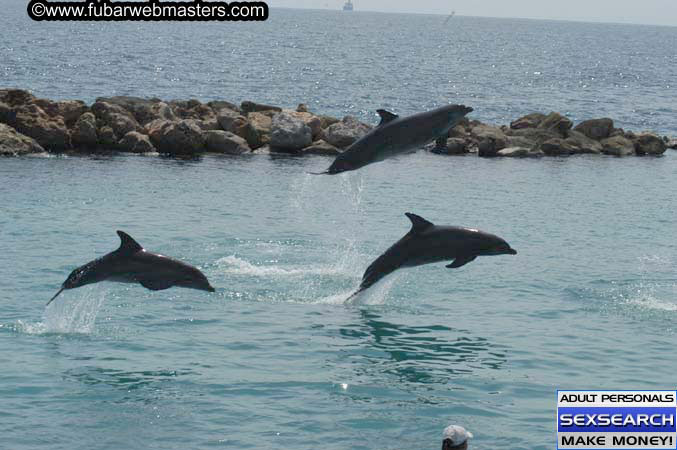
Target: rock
pixel 289 133
pixel 249 107
pixel 302 108
pixel 488 137
pixel 107 137
pixel 49 132
pixel 488 148
pixel 452 146
pixel 13 143
pixel 596 129
pixel 618 146
pixel 16 97
pixel 135 142
pixel 192 109
pixel 7 115
pixel 519 152
pixel 314 122
pixel 536 136
pixel 207 125
pixel 177 138
pixel 671 143
pixel 83 132
pixel 68 110
pixel 556 122
pixel 558 147
pixel 321 148
pixel 529 121
pixel 219 141
pixel 143 110
pixel 327 121
pixel 230 120
pixel 258 129
pixel 521 141
pixel 116 117
pixel 342 134
pixel 218 105
pixel 649 144
pixel 584 143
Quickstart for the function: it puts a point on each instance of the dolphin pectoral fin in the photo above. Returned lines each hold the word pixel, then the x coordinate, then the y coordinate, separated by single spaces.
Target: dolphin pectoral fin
pixel 461 261
pixel 156 285
pixel 386 116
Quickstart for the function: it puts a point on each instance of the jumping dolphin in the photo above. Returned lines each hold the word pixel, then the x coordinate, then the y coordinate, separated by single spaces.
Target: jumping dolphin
pixel 132 264
pixel 396 135
pixel 427 243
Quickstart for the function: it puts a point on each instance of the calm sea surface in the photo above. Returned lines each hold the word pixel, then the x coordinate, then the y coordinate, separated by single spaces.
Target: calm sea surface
pixel 275 358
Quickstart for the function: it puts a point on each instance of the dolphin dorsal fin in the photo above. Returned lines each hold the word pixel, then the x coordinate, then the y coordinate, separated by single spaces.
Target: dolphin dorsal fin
pixel 128 244
pixel 418 223
pixel 386 116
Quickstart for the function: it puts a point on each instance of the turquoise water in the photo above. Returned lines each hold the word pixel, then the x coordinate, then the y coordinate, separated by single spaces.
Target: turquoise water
pixel 276 358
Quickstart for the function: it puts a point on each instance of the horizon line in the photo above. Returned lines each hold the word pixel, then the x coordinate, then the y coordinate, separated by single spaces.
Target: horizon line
pixel 591 21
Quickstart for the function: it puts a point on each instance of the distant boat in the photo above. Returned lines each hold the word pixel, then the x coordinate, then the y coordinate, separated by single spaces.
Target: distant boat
pixel 348 6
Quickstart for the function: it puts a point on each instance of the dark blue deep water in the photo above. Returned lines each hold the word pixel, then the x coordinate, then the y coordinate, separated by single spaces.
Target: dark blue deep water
pixel 275 359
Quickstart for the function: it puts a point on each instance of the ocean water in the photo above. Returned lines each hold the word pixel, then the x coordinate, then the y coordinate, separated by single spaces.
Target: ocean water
pixel 276 358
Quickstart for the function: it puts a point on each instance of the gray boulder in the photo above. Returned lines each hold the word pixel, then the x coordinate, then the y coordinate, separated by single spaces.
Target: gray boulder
pixel 289 133
pixel 618 146
pixel 596 129
pixel 321 148
pixel 177 138
pixel 529 121
pixel 258 128
pixel 558 147
pixel 219 141
pixel 83 133
pixel 135 142
pixel 248 107
pixel 557 123
pixel 232 121
pixel 50 132
pixel 344 133
pixel 649 144
pixel 13 143
pixel 583 143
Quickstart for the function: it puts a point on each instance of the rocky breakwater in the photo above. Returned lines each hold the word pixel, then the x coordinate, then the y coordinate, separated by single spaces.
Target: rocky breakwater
pixel 537 135
pixel 189 127
pixel 184 128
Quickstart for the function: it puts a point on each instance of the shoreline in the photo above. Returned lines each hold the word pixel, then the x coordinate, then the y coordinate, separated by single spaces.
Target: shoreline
pixel 30 125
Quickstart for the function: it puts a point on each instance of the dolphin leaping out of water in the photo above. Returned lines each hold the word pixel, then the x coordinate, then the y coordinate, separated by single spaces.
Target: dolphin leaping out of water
pixel 132 264
pixel 396 135
pixel 426 243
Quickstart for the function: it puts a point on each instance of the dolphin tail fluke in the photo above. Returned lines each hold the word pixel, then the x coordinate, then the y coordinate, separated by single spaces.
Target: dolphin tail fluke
pixel 57 294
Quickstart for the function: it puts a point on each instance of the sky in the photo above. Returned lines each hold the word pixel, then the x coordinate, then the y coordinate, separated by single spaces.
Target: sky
pixel 659 12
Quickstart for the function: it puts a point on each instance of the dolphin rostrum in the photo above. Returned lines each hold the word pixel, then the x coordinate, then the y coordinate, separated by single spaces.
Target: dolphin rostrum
pixel 426 243
pixel 132 264
pixel 396 135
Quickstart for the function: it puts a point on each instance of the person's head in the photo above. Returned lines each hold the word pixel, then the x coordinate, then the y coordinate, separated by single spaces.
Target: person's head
pixel 455 437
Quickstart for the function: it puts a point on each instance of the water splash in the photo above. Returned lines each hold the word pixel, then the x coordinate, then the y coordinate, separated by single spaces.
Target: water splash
pixel 73 313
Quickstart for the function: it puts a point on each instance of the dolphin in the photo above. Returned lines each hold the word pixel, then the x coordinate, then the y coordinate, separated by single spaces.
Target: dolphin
pixel 396 135
pixel 132 264
pixel 427 243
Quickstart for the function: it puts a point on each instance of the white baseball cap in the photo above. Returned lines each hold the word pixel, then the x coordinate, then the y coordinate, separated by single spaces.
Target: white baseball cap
pixel 456 434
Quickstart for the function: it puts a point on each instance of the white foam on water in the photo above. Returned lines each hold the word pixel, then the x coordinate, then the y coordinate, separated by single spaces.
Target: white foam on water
pixel 238 266
pixel 73 312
